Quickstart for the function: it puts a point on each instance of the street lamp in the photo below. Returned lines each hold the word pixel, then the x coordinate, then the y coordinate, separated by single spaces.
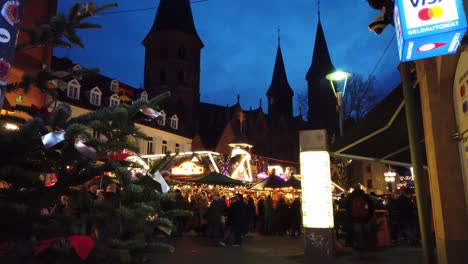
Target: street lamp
pixel 390 178
pixel 339 76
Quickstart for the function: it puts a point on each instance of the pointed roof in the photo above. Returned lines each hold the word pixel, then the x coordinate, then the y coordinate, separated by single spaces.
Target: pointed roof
pixel 174 15
pixel 321 61
pixel 279 82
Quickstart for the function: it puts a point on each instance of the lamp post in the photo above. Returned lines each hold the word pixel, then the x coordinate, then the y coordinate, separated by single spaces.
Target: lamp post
pixel 390 179
pixel 339 76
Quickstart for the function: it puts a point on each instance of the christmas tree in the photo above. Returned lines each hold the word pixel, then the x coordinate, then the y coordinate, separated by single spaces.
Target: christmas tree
pixel 49 217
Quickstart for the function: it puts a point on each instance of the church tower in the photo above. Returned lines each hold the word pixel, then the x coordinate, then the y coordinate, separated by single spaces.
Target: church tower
pixel 322 102
pixel 172 61
pixel 280 93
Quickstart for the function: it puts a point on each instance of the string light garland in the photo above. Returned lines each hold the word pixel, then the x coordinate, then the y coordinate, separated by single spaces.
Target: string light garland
pixel 143 9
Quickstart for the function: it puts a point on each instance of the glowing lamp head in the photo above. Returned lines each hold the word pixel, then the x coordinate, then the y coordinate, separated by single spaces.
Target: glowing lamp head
pixel 338 76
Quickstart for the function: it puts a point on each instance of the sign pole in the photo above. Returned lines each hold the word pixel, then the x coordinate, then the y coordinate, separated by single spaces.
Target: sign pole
pixel 420 179
pixel 317 204
pixel 10 14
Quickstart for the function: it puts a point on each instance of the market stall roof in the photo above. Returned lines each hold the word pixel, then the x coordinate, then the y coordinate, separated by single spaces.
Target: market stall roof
pixel 382 134
pixel 275 182
pixel 216 178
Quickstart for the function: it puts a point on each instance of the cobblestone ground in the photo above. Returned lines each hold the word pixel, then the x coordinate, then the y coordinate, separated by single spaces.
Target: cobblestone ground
pixel 272 250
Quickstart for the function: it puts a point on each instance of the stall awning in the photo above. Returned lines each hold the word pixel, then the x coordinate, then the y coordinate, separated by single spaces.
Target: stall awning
pixel 381 135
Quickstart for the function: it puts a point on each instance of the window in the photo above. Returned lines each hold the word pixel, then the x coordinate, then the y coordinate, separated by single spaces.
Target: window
pixel 162 75
pixel 182 52
pixel 96 134
pixel 114 100
pixel 174 122
pixel 368 169
pixel 144 95
pixel 114 86
pixel 77 68
pixel 164 146
pixel 162 118
pixel 164 52
pixel 149 146
pixel 95 96
pixel 177 148
pixel 181 77
pixel 73 89
pixel 369 184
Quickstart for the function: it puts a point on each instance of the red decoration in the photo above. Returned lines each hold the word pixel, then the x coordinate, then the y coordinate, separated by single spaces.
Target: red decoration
pixel 120 157
pixel 5 67
pixel 82 245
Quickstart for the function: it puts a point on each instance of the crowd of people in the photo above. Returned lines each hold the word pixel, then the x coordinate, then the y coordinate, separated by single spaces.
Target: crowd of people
pixel 230 217
pixel 357 218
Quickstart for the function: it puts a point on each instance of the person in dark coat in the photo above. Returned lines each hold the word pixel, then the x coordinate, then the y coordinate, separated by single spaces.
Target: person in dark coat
pixel 268 223
pixel 213 218
pixel 261 214
pixel 360 210
pixel 280 218
pixel 296 217
pixel 234 223
pixel 180 204
pixel 251 214
pixel 407 215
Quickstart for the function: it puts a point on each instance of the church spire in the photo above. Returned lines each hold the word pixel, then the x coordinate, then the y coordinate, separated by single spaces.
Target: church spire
pixel 279 93
pixel 321 62
pixel 279 83
pixel 174 15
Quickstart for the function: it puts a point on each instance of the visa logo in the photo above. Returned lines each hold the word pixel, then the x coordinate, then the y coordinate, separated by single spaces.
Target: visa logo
pixel 416 3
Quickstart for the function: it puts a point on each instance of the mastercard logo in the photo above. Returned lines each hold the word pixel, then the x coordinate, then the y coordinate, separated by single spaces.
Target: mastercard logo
pixel 430 13
pixel 430 46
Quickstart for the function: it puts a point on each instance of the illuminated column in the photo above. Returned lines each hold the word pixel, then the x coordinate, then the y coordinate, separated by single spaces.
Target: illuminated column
pixel 317 206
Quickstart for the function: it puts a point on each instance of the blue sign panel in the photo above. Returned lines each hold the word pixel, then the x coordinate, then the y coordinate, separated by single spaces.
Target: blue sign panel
pixel 428 28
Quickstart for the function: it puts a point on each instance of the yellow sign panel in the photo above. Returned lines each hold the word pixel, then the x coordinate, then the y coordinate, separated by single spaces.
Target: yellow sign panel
pixel 188 168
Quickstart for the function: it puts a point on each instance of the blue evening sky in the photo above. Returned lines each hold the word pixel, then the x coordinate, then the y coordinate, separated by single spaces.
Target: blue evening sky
pixel 240 38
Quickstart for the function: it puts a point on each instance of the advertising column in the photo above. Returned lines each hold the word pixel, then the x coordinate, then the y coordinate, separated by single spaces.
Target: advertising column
pixel 317 204
pixel 460 96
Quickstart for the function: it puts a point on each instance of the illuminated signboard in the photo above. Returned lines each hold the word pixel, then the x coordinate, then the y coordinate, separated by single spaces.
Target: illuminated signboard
pixel 317 203
pixel 187 168
pixel 428 28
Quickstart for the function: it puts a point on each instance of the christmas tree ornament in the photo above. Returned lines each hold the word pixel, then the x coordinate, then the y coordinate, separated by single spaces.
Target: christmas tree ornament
pixel 53 138
pixel 50 179
pixel 159 178
pixel 11 12
pixel 150 112
pixel 85 150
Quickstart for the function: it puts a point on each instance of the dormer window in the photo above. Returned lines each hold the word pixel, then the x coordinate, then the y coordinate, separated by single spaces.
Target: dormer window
pixel 181 77
pixel 73 89
pixel 181 52
pixel 77 68
pixel 162 75
pixel 95 96
pixel 144 95
pixel 164 52
pixel 114 100
pixel 114 86
pixel 162 118
pixel 174 122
